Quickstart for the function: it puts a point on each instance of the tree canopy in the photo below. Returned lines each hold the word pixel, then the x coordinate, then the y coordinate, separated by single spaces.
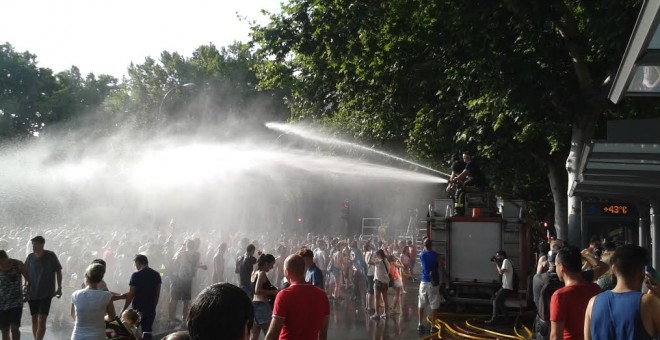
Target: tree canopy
pixel 517 81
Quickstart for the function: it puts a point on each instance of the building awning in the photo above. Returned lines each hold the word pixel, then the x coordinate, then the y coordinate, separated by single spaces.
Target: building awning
pixel 626 165
pixel 624 170
pixel 639 72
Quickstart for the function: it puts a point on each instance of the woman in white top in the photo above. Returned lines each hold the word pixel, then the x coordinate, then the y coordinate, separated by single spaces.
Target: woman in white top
pixel 381 283
pixel 90 305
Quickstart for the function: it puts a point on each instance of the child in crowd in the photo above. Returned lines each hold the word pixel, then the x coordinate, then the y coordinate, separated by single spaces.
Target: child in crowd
pixel 130 319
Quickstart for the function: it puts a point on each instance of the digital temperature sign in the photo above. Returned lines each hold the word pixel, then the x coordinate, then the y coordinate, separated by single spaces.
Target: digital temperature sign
pixel 608 209
pixel 615 209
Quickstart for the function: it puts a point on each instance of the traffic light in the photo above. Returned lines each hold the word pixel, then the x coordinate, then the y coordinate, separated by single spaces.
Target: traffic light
pixel 345 209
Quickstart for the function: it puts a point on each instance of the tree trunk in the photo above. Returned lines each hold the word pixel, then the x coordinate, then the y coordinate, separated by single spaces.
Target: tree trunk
pixel 557 181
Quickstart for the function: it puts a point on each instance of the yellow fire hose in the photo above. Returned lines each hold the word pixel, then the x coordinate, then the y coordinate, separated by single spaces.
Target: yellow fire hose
pixel 473 332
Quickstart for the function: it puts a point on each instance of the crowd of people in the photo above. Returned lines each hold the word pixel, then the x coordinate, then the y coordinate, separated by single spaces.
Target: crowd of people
pixel 136 281
pixel 596 293
pixel 139 277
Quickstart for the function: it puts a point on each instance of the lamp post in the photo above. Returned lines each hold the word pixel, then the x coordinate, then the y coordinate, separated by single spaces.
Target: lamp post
pixel 186 85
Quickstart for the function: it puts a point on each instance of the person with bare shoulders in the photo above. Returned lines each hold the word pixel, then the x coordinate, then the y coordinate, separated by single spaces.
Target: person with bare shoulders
pixel 301 311
pixel 624 312
pixel 264 295
pixel 11 295
pixel 279 265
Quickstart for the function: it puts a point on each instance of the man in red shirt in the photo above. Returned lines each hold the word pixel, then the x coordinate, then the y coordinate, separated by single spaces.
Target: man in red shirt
pixel 302 311
pixel 568 304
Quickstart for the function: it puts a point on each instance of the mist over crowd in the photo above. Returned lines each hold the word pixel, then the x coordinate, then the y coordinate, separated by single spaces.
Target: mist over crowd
pixel 130 178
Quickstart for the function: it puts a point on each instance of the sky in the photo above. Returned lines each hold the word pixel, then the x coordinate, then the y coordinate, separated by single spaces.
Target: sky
pixel 104 37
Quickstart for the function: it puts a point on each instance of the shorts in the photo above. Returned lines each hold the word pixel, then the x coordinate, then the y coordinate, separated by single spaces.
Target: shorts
pixel 180 290
pixel 39 307
pixel 11 317
pixel 398 283
pixel 370 283
pixel 429 295
pixel 262 312
pixel 380 286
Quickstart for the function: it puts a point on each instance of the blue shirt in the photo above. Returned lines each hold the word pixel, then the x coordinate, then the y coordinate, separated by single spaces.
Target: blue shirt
pixel 617 316
pixel 314 275
pixel 429 260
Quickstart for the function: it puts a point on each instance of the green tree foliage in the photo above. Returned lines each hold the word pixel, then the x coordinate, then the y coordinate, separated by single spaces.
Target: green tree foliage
pixel 518 81
pixel 32 97
pixel 24 92
pixel 223 83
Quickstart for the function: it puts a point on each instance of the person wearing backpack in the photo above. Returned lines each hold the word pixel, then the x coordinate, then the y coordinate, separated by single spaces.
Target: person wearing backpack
pixel 506 271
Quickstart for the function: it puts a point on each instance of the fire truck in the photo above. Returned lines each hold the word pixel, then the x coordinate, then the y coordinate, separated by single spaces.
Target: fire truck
pixel 467 243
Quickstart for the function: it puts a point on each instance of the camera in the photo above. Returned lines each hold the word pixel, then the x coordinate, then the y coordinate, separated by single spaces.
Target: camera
pixel 493 259
pixel 598 252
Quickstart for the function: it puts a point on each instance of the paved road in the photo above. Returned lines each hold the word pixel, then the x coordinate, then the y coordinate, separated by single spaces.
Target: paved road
pixel 349 321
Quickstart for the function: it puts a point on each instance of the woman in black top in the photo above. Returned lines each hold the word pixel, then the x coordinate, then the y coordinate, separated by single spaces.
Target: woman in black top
pixel 264 295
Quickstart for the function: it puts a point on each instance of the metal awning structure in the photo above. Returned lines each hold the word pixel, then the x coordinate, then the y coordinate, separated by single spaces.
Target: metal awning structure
pixel 621 170
pixel 626 165
pixel 639 72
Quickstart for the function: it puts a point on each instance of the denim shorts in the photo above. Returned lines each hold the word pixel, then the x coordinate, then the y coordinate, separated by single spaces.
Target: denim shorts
pixel 262 312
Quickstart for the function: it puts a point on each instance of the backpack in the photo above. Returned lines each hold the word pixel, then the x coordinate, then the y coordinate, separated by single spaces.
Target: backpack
pixel 542 323
pixel 239 264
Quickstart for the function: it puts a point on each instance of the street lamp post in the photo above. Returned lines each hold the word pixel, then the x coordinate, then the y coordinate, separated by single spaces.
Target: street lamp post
pixel 160 108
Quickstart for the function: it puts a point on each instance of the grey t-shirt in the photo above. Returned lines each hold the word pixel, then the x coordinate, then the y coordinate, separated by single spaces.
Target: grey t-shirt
pixel 41 271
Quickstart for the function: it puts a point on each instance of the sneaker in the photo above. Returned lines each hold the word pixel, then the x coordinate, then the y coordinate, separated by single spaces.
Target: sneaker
pixel 374 317
pixel 421 329
pixel 383 316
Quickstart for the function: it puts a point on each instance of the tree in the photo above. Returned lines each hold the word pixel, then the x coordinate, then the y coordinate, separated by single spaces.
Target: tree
pixel 24 92
pixel 32 98
pixel 224 81
pixel 517 80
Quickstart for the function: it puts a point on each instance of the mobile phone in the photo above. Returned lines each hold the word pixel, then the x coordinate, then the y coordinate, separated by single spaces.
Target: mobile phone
pixel 651 271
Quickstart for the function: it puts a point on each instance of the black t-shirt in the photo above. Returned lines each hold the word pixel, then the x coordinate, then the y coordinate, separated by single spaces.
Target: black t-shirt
pixel 476 176
pixel 246 270
pixel 147 284
pixel 457 167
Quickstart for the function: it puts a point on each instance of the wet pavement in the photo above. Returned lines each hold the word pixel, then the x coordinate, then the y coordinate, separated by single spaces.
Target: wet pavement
pixel 350 321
